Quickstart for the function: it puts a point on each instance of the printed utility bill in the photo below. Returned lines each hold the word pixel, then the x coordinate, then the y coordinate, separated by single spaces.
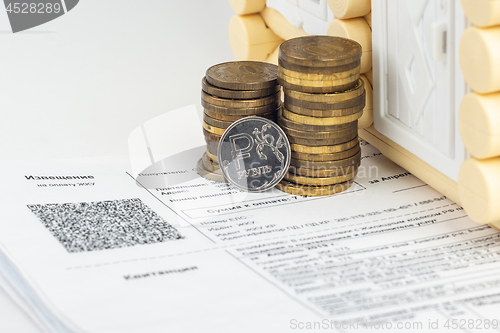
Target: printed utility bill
pixel 91 248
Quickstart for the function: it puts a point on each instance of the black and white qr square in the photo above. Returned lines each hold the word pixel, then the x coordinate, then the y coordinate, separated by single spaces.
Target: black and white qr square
pixel 101 225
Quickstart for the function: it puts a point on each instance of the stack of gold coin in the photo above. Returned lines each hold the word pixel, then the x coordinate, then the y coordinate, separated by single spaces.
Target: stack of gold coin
pixel 324 98
pixel 231 91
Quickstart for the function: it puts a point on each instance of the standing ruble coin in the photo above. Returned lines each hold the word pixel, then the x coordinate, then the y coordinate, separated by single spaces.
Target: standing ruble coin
pixel 254 154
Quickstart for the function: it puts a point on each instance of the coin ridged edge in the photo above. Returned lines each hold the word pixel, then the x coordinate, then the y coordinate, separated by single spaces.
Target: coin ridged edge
pixel 213 157
pixel 327 97
pixel 237 94
pixel 359 105
pixel 216 122
pixel 225 117
pixel 213 129
pixel 319 83
pixel 323 172
pixel 325 149
pixel 345 104
pixel 327 165
pixel 320 181
pixel 306 127
pixel 321 121
pixel 317 90
pixel 242 111
pixel 312 190
pixel 327 156
pixel 210 165
pixel 320 76
pixel 212 147
pixel 317 135
pixel 241 103
pixel 320 142
pixel 318 70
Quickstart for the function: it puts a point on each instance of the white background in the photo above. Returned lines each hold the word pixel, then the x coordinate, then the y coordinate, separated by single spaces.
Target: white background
pixel 78 85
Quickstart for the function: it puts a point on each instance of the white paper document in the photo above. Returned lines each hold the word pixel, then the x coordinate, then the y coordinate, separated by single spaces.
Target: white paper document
pixel 91 249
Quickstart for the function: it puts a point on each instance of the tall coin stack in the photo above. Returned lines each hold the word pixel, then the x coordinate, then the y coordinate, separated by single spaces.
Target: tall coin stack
pixel 231 91
pixel 324 98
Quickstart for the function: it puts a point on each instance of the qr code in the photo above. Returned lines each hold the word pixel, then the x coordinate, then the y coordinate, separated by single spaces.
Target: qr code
pixel 102 225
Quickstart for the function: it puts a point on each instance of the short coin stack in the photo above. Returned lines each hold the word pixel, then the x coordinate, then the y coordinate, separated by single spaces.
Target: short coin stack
pixel 324 97
pixel 231 91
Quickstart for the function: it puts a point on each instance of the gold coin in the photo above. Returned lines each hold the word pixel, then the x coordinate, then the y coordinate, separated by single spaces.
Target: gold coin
pixel 211 140
pixel 316 90
pixel 322 172
pixel 225 124
pixel 212 129
pixel 312 190
pixel 282 121
pixel 209 165
pixel 343 134
pixel 212 147
pixel 324 121
pixel 213 157
pixel 320 51
pixel 317 83
pixel 215 176
pixel 241 103
pixel 326 157
pixel 348 103
pixel 327 165
pixel 237 94
pixel 344 112
pixel 320 76
pixel 243 75
pixel 226 117
pixel 336 97
pixel 216 122
pixel 324 149
pixel 242 111
pixel 211 136
pixel 322 181
pixel 320 142
pixel 318 70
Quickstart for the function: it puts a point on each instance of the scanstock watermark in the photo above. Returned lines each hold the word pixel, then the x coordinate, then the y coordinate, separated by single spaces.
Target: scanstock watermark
pixel 27 14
